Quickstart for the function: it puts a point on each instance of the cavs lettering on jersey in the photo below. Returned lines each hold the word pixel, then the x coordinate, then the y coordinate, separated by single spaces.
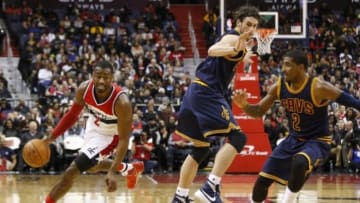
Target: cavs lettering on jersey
pixel 102 117
pixel 217 72
pixel 308 119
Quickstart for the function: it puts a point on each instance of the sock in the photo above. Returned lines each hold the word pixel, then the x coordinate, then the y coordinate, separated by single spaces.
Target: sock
pixel 48 199
pixel 183 192
pixel 214 179
pixel 289 197
pixel 124 167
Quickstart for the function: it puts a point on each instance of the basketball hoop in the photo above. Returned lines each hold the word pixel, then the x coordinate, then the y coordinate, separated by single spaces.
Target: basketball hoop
pixel 264 37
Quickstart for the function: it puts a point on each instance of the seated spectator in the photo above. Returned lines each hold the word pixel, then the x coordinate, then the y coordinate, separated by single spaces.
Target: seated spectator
pixel 347 144
pixel 178 149
pixel 31 133
pixel 141 149
pixel 7 156
pixel 355 159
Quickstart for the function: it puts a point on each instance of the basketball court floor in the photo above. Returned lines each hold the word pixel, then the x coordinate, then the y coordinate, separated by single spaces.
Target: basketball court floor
pixel 32 188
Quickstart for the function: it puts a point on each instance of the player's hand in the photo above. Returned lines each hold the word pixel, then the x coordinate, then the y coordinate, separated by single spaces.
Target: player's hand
pixel 48 140
pixel 248 57
pixel 240 97
pixel 111 181
pixel 242 42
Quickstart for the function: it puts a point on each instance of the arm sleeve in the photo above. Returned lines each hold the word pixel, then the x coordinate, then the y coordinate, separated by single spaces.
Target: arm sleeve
pixel 68 120
pixel 348 100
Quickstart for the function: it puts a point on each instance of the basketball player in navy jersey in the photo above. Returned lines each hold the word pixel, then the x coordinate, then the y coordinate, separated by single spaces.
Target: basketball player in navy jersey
pixel 107 129
pixel 305 99
pixel 205 111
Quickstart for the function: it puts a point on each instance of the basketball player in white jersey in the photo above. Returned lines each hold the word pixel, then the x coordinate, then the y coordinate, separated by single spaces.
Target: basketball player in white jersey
pixel 108 128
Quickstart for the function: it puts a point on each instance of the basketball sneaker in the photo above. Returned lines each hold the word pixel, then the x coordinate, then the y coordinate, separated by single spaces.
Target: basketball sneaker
pixel 181 199
pixel 134 174
pixel 209 193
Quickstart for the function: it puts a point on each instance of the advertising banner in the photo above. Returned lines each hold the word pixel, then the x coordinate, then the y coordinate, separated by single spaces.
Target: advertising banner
pixel 257 149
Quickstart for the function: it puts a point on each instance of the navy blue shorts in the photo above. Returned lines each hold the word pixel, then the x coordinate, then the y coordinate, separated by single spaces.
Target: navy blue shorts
pixel 278 166
pixel 204 112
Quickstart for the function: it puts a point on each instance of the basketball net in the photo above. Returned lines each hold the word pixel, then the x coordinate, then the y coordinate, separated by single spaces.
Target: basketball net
pixel 264 37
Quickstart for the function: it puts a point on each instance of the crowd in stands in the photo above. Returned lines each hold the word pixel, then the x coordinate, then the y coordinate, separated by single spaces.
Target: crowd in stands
pixel 59 47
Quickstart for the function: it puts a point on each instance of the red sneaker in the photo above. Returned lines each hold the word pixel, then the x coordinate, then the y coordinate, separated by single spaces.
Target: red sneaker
pixel 134 174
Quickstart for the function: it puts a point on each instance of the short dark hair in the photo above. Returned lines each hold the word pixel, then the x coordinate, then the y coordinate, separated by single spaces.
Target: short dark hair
pixel 298 57
pixel 247 11
pixel 103 64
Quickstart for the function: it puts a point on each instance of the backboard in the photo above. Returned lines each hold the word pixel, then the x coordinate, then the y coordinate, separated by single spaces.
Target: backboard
pixel 288 17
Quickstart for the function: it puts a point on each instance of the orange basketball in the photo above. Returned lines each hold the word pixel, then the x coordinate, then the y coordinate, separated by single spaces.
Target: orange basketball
pixel 36 153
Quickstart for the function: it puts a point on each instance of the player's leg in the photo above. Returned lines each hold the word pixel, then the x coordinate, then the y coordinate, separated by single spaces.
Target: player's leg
pixel 132 171
pixel 188 128
pixel 81 163
pixel 298 173
pixel 276 169
pixel 260 189
pixel 188 172
pixel 210 191
pixel 312 153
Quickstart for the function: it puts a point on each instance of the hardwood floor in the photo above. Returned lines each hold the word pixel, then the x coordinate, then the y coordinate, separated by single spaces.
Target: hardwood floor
pixel 16 188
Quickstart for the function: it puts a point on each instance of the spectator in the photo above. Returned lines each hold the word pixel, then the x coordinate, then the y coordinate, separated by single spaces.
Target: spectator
pixel 31 133
pixel 178 149
pixel 7 156
pixel 141 149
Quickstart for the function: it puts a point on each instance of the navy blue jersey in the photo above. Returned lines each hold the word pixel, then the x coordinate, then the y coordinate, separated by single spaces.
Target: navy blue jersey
pixel 308 119
pixel 217 72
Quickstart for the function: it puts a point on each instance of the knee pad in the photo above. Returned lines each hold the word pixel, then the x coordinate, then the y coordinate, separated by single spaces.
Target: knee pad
pixel 237 139
pixel 200 153
pixel 298 173
pixel 260 189
pixel 300 161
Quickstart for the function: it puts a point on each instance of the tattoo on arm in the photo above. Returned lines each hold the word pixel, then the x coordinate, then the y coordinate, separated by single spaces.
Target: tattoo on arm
pixel 253 110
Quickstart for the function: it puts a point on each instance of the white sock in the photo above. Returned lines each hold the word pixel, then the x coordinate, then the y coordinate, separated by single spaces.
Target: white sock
pixel 214 179
pixel 289 197
pixel 126 167
pixel 183 192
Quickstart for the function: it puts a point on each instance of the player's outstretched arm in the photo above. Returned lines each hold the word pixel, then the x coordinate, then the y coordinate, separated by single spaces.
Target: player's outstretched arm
pixel 255 110
pixel 123 110
pixel 325 91
pixel 230 45
pixel 71 116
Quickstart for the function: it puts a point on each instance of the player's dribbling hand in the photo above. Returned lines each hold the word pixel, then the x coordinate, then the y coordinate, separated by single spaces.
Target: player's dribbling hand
pixel 110 181
pixel 48 140
pixel 240 97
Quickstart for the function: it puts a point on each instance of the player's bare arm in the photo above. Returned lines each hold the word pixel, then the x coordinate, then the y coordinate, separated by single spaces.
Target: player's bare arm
pixel 123 110
pixel 326 91
pixel 255 110
pixel 229 45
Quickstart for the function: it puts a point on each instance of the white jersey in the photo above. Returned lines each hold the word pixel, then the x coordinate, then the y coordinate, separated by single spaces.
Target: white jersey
pixel 102 118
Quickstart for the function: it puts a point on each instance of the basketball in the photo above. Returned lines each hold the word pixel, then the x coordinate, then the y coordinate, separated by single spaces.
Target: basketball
pixel 36 153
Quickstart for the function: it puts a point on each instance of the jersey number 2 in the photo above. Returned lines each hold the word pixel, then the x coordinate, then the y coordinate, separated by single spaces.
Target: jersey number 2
pixel 295 117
